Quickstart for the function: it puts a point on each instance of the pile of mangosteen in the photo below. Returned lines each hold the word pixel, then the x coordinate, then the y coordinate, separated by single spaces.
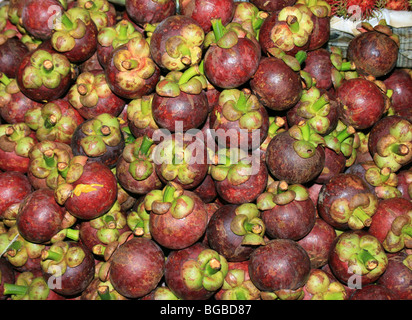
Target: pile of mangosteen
pixel 164 150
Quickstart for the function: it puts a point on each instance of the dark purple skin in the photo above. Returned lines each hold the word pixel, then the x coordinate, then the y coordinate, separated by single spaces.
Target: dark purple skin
pixel 90 205
pixel 173 275
pixel 285 164
pixel 361 103
pixel 137 267
pixel 228 68
pixel 276 85
pixel 190 109
pixel 318 64
pixel 247 191
pixel 373 53
pixel 317 243
pixel 37 15
pixel 175 234
pixel 222 239
pixel 14 111
pixel 398 276
pixel 75 280
pixel 14 187
pixel 7 276
pixel 11 53
pixel 359 170
pixel 40 217
pixel 203 11
pixel 149 11
pixel 109 158
pixel 207 189
pixel 403 183
pixel 373 292
pixel 280 264
pixel 400 81
pixel 320 33
pixel 91 64
pixel 335 163
pixel 290 221
pixel 341 186
pixel 265 35
pixel 272 5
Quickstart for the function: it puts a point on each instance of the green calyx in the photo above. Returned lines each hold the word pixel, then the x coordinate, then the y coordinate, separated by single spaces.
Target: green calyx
pixel 249 17
pixel 343 69
pixel 139 156
pixel 356 212
pixel 185 49
pixel 16 138
pixel 242 106
pixel 384 180
pixel 98 10
pixel 315 108
pixel 138 221
pixel 45 69
pixel 236 172
pixel 139 112
pixel 236 287
pixel 171 199
pixel 364 254
pixel 400 234
pixel 394 149
pixel 307 140
pixel 319 8
pixel 207 271
pixel 190 81
pixel 117 35
pixel 281 193
pixel 283 294
pixel 27 287
pixel 320 287
pixel 59 256
pixel 248 224
pixel 101 132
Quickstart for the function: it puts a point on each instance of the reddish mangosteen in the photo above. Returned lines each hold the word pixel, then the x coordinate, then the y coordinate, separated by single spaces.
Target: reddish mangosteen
pixel 345 202
pixel 176 43
pixel 276 85
pixel 12 51
pixel 44 75
pixel 7 276
pixel 14 187
pixel 195 273
pixel 319 65
pixel 335 163
pixel 398 275
pixel 357 258
pixel 392 224
pixel 203 12
pixel 100 139
pixel 90 64
pixel 150 11
pixel 361 103
pixel 207 189
pixel 180 102
pixel 404 183
pixel 280 265
pixel 373 292
pixel 235 231
pixel 91 96
pixel 236 118
pixel 375 50
pixel 137 261
pixel 296 155
pixel 40 218
pixel 287 211
pixel 178 217
pixel 39 17
pixel 232 55
pixel 317 243
pixel 272 5
pixel 70 264
pixel 54 121
pixel 323 286
pixel 89 190
pixel 400 82
pixel 130 71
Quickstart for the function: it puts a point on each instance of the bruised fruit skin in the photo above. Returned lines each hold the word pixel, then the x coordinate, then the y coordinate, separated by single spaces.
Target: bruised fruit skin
pixel 137 267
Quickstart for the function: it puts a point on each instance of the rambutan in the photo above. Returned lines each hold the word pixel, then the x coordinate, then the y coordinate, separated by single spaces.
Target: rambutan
pixel 350 8
pixel 400 5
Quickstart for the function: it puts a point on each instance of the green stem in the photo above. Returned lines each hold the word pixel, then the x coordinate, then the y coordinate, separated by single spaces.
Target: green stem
pixel 63 171
pixel 301 56
pixel 252 227
pixel 407 230
pixel 321 102
pixel 10 288
pixel 72 234
pixel 51 255
pixel 4 79
pixel 346 66
pixel 50 121
pixel 294 26
pixel 361 215
pixel 212 267
pixel 241 103
pixel 277 123
pixel 305 131
pixel 68 24
pixel 168 195
pixel 49 159
pixel 345 134
pixel 202 67
pixel 400 149
pixel 104 293
pixel 218 29
pixel 188 74
pixel 367 259
pixel 145 146
pixel 122 34
pixel 130 64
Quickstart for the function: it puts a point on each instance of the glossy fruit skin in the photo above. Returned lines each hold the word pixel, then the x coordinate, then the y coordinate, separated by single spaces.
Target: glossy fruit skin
pixel 280 264
pixel 320 33
pixel 90 205
pixel 273 5
pixel 222 239
pixel 40 217
pixel 206 190
pixel 334 164
pixel 319 65
pixel 11 53
pixel 373 292
pixel 176 233
pixel 276 85
pixel 137 267
pixel 149 11
pixel 400 81
pixel 75 280
pixel 374 53
pixel 285 164
pixel 14 187
pixel 232 67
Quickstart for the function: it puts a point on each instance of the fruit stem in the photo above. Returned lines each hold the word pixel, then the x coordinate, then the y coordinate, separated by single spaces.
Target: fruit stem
pixel 82 89
pixel 305 131
pixel 72 234
pixel 10 288
pixel 63 169
pixel 276 124
pixel 4 79
pixel 145 146
pixel 212 267
pixel 301 56
pixel 241 103
pixel 346 66
pixel 168 195
pixel 367 259
pixel 68 24
pixel 14 248
pixel 362 216
pixel 188 74
pixel 104 293
pixel 253 227
pixel 321 102
pixel 48 65
pixel 49 159
pixel 345 133
pixel 130 64
pixel 400 149
pixel 122 34
pixel 293 23
pixel 51 255
pixel 50 121
pixel 149 27
pixel 218 29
